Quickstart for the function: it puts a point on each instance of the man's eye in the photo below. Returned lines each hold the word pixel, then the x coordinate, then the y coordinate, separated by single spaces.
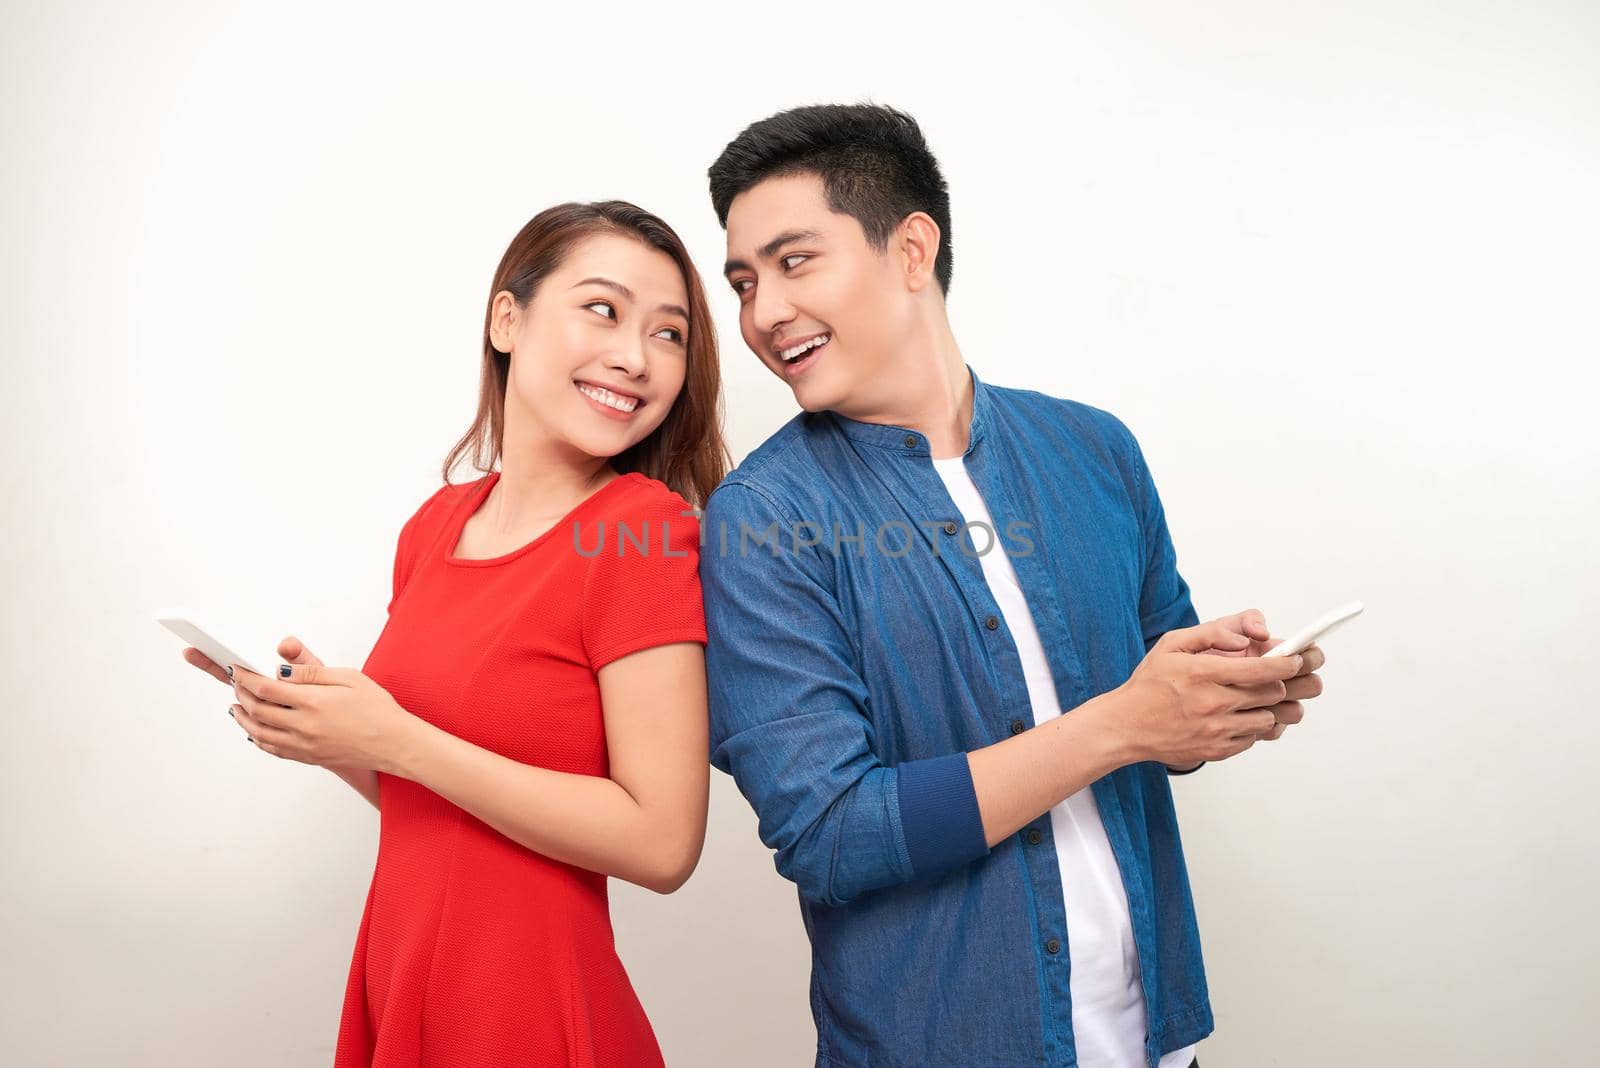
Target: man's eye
pixel 793 256
pixel 603 304
pixel 738 286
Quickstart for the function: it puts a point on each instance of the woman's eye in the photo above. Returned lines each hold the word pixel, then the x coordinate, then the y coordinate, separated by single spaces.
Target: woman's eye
pixel 677 335
pixel 793 256
pixel 603 304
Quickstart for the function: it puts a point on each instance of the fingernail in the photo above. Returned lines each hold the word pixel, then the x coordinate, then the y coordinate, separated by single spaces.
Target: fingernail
pixel 283 671
pixel 230 712
pixel 230 671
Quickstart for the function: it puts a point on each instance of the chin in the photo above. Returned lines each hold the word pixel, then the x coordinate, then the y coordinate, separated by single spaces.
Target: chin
pixel 603 446
pixel 812 404
pixel 816 396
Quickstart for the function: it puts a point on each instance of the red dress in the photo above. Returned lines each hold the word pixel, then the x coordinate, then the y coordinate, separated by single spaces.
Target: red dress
pixel 474 950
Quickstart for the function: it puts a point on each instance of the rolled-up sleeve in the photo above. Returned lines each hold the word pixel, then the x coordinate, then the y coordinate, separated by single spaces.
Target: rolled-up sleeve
pixel 789 719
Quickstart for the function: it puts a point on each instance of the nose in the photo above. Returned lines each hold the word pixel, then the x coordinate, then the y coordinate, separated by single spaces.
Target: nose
pixel 629 357
pixel 770 309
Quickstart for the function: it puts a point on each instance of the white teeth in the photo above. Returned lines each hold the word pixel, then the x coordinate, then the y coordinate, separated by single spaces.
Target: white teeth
pixel 789 354
pixel 609 399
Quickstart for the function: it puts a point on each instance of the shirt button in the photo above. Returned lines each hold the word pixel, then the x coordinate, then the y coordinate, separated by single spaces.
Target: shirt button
pixel 950 526
pixel 993 623
pixel 911 441
pixel 1053 946
pixel 1017 726
pixel 1034 837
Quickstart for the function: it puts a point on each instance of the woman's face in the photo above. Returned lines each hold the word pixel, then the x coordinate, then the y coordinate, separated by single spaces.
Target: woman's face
pixel 599 354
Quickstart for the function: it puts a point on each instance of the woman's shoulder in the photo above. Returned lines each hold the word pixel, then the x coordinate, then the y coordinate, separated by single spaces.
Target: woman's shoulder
pixel 643 497
pixel 442 498
pixel 436 508
pixel 641 516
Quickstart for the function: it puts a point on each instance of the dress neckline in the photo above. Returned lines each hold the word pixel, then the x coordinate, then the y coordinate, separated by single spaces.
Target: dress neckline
pixel 473 500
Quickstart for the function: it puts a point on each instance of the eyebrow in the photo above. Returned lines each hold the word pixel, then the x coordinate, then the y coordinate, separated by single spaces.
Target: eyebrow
pixel 767 251
pixel 625 291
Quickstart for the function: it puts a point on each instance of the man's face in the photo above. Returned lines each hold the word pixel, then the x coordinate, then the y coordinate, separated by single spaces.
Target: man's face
pixel 823 309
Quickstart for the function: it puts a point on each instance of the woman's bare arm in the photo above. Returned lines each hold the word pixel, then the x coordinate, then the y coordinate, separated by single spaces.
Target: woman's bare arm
pixel 645 823
pixel 364 780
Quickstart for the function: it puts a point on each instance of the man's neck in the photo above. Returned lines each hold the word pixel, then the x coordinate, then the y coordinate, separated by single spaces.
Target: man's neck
pixel 938 399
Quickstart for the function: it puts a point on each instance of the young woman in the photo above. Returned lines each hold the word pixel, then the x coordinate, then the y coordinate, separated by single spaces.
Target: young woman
pixel 532 718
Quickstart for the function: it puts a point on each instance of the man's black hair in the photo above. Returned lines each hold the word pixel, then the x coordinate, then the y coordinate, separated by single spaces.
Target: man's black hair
pixel 874 164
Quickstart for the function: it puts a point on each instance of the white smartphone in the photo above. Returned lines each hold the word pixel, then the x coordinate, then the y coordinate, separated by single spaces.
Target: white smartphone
pixel 220 654
pixel 1321 627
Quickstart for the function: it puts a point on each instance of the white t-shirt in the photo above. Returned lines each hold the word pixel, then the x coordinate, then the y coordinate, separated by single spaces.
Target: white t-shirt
pixel 1108 1012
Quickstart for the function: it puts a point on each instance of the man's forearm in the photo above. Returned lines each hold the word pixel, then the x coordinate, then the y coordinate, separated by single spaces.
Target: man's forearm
pixel 1027 775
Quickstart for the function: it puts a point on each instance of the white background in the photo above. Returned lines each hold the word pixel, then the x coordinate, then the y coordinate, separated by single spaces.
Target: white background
pixel 1335 264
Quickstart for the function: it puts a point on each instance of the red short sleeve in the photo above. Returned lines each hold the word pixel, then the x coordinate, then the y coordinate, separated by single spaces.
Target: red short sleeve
pixel 407 545
pixel 643 587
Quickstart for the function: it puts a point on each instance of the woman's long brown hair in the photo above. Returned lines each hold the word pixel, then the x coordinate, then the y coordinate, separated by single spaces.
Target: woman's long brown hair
pixel 686 451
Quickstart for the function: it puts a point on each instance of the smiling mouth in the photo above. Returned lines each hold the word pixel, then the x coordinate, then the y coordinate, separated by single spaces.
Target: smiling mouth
pixel 795 352
pixel 797 358
pixel 622 403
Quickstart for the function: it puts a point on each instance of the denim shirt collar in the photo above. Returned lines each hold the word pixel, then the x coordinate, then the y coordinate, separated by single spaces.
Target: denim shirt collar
pixel 908 442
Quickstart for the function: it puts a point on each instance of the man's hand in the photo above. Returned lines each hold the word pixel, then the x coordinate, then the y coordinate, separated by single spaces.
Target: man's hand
pixel 1185 707
pixel 1301 687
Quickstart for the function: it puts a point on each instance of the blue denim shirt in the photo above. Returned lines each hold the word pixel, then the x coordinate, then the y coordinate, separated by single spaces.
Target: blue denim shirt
pixel 856 655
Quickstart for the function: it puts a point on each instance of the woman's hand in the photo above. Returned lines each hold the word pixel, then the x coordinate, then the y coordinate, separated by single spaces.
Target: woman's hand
pixel 291 649
pixel 331 717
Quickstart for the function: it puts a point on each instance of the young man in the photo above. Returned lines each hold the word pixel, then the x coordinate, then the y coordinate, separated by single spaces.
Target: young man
pixel 906 587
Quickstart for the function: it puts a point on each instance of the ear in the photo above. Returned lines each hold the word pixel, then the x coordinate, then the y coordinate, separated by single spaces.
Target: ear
pixel 503 318
pixel 918 242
